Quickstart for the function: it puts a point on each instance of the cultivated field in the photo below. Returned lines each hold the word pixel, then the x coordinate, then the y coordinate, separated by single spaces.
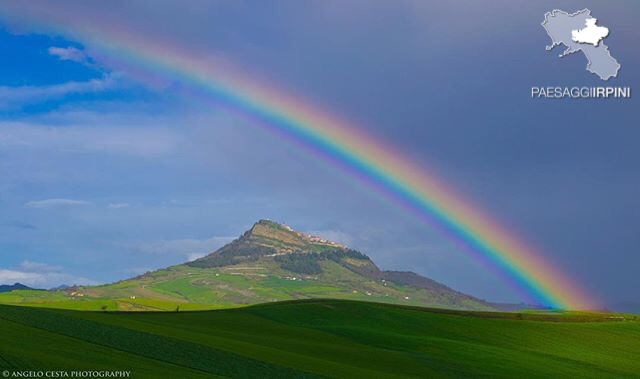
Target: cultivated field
pixel 322 338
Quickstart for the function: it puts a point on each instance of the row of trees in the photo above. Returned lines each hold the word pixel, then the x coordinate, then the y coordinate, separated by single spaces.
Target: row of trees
pixel 308 263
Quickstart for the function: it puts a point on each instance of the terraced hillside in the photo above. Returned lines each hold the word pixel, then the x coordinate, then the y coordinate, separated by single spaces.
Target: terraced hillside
pixel 270 262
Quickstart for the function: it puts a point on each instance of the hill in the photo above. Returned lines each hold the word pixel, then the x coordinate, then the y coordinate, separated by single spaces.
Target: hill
pixel 270 262
pixel 16 286
pixel 626 307
pixel 323 338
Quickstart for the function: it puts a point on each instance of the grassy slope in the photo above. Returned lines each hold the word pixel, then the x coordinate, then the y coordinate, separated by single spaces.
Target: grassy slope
pixel 256 268
pixel 247 283
pixel 325 338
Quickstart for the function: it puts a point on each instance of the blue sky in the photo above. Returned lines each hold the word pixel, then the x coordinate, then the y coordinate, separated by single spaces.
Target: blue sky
pixel 104 175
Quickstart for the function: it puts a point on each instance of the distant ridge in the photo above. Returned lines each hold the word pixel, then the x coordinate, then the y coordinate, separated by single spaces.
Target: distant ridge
pixel 626 307
pixel 61 287
pixel 272 262
pixel 16 286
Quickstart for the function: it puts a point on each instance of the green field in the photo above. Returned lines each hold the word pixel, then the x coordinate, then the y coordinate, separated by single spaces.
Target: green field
pixel 259 281
pixel 322 338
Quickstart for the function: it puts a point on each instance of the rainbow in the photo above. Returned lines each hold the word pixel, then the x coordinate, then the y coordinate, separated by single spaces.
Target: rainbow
pixel 359 154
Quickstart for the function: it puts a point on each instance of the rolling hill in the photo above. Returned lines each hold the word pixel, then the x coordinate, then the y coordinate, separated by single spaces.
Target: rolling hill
pixel 323 338
pixel 16 286
pixel 270 262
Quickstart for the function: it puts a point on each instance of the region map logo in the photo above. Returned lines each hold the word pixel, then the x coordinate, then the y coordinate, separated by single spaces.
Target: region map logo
pixel 580 32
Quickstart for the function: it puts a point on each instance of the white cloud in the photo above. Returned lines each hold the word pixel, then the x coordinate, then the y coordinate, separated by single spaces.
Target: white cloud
pixel 194 256
pixel 11 276
pixel 15 97
pixel 190 248
pixel 118 205
pixel 41 275
pixel 87 137
pixel 52 203
pixel 69 54
pixel 39 267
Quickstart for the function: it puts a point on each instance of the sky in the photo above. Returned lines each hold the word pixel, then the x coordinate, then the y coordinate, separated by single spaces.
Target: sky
pixel 108 170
